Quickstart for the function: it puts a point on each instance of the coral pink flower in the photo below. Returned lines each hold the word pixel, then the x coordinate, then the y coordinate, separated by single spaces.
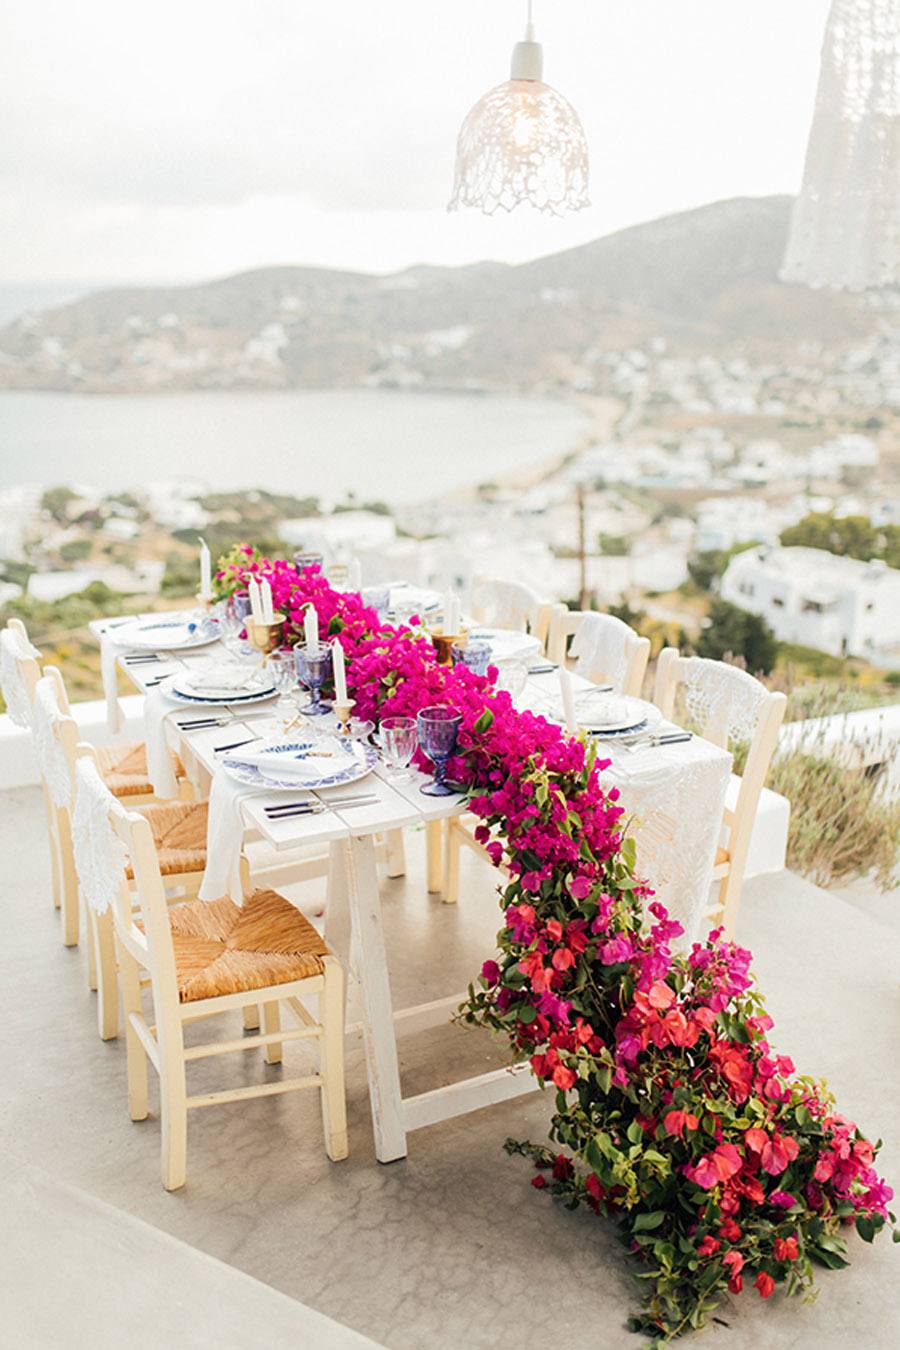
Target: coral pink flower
pixel 676 1122
pixel 765 1284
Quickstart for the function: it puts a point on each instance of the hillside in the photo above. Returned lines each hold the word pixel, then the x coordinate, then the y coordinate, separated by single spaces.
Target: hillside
pixel 704 280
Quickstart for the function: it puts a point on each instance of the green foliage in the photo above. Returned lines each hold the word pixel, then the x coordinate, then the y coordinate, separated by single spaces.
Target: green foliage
pixel 613 545
pixel 705 568
pixel 15 572
pixel 56 501
pixel 75 550
pixel 847 536
pixel 734 632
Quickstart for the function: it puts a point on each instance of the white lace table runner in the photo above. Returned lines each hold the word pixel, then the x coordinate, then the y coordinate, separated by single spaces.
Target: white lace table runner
pixel 675 796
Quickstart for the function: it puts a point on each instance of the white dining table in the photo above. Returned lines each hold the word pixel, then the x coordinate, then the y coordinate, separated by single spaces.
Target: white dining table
pixel 354 926
pixel 675 796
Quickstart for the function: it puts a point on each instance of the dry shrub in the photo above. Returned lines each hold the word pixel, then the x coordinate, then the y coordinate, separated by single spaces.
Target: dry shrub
pixel 842 823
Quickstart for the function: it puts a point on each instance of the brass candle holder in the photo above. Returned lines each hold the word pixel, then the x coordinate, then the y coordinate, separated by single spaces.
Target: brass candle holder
pixel 443 644
pixel 343 712
pixel 265 637
pixel 205 601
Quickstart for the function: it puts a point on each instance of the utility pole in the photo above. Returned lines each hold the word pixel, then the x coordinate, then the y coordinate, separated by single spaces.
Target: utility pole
pixel 582 548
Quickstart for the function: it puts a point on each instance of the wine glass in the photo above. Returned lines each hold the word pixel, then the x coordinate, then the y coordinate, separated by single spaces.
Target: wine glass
pixel 313 669
pixel 474 654
pixel 438 729
pixel 398 742
pixel 377 598
pixel 512 675
pixel 283 670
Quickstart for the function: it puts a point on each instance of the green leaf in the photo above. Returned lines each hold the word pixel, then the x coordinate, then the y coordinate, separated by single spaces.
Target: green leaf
pixel 865 1227
pixel 483 723
pixel 635 1133
pixel 644 1222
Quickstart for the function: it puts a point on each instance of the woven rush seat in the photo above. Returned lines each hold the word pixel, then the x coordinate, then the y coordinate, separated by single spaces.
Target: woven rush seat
pixel 179 833
pixel 123 768
pixel 221 948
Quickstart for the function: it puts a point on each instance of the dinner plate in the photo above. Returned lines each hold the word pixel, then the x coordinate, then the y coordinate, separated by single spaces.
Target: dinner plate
pixel 412 599
pixel 352 762
pixel 168 633
pixel 230 682
pixel 220 702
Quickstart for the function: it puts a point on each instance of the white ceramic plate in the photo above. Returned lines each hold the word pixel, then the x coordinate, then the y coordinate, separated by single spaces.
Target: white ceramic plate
pixel 615 714
pixel 227 681
pixel 168 632
pixel 413 598
pixel 351 762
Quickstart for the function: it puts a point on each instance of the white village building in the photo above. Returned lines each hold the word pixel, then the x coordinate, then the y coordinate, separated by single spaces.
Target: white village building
pixel 808 596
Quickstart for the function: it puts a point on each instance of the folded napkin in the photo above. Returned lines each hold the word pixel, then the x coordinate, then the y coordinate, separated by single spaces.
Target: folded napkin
pixel 305 765
pixel 229 679
pixel 157 707
pixel 224 837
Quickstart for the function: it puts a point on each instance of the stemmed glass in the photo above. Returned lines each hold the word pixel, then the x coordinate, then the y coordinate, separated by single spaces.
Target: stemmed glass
pixel 313 669
pixel 398 742
pixel 283 670
pixel 233 622
pixel 378 598
pixel 474 654
pixel 438 728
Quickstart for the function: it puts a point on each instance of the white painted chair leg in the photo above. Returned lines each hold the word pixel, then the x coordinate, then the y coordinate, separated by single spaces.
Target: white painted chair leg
pixel 251 1017
pixel 434 830
pixel 91 924
pixel 173 1102
pixel 107 979
pixel 331 1058
pixel 271 1021
pixel 396 854
pixel 453 847
pixel 135 1052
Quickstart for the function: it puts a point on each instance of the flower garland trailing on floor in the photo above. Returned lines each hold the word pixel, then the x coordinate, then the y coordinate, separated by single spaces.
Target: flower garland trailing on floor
pixel 674 1117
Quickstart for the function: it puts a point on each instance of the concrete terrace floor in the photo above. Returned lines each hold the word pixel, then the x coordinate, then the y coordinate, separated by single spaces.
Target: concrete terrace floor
pixel 450 1248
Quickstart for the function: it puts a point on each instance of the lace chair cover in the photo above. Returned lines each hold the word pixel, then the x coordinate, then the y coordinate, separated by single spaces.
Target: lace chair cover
pixel 100 855
pixel 50 753
pixel 845 230
pixel 15 648
pixel 722 699
pixel 506 604
pixel 600 646
pixel 675 810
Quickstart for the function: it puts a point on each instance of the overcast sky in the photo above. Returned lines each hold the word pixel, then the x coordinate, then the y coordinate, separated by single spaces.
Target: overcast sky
pixel 182 140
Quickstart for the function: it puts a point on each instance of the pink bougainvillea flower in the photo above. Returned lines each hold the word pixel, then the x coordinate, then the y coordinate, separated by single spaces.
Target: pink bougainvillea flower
pixel 708 1247
pixel 765 1284
pixel 676 1122
pixel 490 971
pixel 786 1249
pixel 715 1167
pixel 782 1199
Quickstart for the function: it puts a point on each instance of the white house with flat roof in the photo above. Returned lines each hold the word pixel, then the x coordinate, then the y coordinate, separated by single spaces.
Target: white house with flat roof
pixel 808 596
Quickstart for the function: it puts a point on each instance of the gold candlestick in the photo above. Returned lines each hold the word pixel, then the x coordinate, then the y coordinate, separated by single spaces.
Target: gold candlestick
pixel 343 712
pixel 265 637
pixel 205 601
pixel 443 643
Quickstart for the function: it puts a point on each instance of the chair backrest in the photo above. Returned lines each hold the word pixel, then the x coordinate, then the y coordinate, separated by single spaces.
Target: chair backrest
pixel 55 733
pixel 730 708
pixel 100 819
pixel 605 649
pixel 512 604
pixel 19 672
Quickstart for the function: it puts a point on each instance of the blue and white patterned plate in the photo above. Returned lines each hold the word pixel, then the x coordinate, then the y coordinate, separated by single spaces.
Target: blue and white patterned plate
pixel 168 632
pixel 352 762
pixel 259 697
pixel 621 731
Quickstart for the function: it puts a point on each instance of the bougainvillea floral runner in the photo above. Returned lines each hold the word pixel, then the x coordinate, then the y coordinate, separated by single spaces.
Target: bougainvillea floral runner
pixel 674 1117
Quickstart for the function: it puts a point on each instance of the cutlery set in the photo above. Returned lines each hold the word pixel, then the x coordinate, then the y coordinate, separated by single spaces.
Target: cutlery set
pixel 313 806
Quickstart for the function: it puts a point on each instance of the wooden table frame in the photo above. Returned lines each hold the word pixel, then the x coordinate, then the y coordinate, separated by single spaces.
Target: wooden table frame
pixel 354 926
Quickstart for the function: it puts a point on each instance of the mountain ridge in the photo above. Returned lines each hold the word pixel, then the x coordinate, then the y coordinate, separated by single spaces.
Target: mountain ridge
pixel 700 280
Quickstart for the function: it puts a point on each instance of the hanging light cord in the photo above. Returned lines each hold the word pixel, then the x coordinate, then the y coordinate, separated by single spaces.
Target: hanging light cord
pixel 529 23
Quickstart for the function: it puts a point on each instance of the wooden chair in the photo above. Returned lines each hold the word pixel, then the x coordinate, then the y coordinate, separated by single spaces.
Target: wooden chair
pixel 605 649
pixel 729 708
pixel 177 828
pixel 511 604
pixel 205 958
pixel 124 765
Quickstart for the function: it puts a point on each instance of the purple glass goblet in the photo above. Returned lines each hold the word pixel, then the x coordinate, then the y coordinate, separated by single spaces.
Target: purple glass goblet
pixel 474 654
pixel 438 730
pixel 313 669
